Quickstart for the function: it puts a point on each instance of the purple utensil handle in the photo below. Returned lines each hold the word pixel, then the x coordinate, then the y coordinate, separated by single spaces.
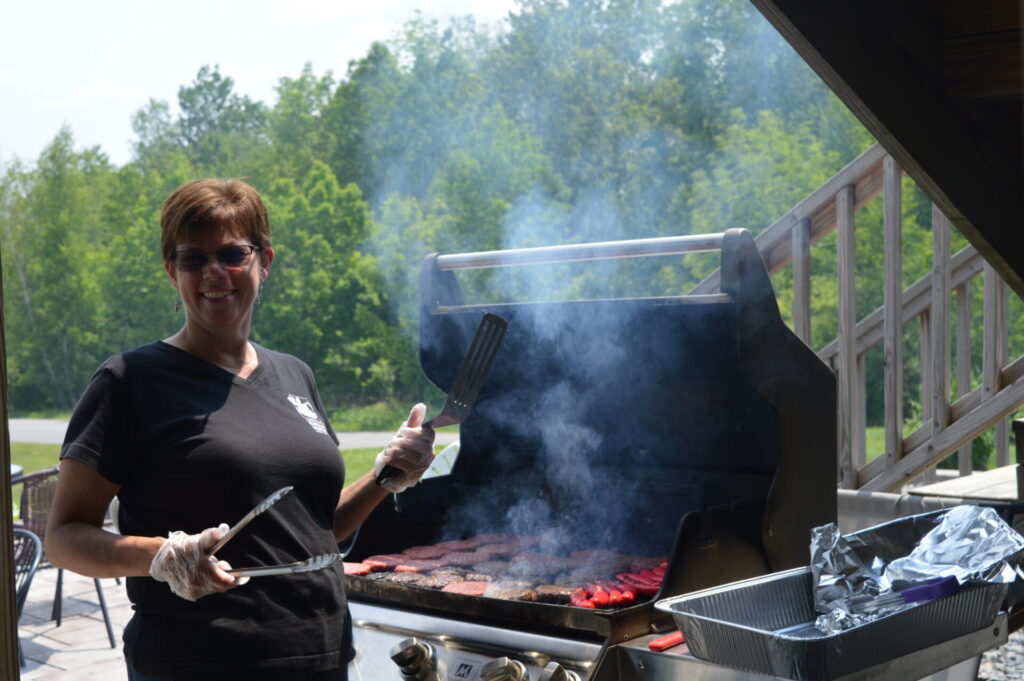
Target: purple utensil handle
pixel 933 588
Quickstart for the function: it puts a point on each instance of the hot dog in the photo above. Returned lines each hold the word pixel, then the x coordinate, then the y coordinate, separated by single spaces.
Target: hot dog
pixel 578 597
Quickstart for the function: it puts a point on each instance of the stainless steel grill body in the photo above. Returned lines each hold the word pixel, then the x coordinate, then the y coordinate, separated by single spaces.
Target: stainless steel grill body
pixel 695 427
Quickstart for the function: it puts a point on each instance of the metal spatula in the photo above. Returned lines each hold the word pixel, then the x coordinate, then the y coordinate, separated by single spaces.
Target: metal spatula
pixel 472 372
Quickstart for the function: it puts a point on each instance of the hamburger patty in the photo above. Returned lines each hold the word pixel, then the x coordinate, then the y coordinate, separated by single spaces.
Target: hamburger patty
pixel 467 588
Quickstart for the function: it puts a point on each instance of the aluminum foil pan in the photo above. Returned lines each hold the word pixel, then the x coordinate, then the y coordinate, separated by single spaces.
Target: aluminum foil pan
pixel 766 625
pixel 873 573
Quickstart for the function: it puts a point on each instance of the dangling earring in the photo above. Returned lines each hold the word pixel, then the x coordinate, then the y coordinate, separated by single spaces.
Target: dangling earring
pixel 259 294
pixel 177 306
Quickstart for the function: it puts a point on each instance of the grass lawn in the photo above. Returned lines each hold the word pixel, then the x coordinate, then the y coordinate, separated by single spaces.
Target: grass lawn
pixel 875 441
pixel 33 457
pixel 876 447
pixel 357 462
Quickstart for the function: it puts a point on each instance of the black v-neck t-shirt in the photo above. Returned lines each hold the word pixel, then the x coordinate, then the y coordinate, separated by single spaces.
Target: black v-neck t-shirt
pixel 192 446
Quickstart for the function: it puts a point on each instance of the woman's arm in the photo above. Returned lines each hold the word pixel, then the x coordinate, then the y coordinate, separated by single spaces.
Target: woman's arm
pixel 410 451
pixel 356 503
pixel 75 538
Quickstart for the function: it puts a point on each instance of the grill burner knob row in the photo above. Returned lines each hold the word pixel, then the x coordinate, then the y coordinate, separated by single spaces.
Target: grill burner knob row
pixel 416 660
pixel 556 672
pixel 504 669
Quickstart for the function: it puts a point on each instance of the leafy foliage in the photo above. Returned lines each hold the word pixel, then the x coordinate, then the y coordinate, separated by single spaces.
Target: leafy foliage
pixel 577 120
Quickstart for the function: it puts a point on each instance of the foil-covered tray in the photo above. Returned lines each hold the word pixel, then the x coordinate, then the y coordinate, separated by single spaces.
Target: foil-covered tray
pixel 766 624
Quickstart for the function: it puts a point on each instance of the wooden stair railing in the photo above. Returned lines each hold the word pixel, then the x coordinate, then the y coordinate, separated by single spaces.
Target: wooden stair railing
pixel 947 427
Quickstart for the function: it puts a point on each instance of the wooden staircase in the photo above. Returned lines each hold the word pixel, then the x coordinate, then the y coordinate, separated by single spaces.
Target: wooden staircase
pixel 949 425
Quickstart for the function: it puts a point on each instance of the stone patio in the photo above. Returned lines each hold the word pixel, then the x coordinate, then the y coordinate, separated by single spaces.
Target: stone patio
pixel 79 647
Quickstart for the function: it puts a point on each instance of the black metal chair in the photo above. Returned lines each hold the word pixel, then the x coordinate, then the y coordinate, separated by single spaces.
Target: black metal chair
pixel 37 493
pixel 28 552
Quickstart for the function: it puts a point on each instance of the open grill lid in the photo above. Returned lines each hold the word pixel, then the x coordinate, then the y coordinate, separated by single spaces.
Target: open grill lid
pixel 698 427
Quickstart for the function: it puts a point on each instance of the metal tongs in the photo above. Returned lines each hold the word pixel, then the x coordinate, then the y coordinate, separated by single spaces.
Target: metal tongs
pixel 309 565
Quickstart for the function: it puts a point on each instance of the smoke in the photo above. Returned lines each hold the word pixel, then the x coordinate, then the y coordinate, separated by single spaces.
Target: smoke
pixel 570 122
pixel 583 122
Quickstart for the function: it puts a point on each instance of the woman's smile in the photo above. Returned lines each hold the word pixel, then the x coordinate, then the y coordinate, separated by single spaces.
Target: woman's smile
pixel 216 295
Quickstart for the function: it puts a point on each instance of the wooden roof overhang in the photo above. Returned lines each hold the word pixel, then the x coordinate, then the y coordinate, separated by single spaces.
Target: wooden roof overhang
pixel 939 83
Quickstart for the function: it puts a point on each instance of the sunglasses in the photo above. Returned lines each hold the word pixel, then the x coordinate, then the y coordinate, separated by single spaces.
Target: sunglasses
pixel 195 259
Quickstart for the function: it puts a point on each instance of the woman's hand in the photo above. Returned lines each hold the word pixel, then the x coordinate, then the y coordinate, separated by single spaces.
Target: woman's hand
pixel 185 564
pixel 410 451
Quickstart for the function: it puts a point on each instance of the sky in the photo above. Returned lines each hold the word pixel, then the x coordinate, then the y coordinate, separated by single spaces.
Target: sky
pixel 91 64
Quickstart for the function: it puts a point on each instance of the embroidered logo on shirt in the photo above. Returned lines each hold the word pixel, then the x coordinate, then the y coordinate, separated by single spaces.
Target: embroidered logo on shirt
pixel 306 410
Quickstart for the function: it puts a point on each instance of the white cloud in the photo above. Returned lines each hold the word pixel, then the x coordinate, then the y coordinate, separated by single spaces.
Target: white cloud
pixel 94 80
pixel 95 93
pixel 387 11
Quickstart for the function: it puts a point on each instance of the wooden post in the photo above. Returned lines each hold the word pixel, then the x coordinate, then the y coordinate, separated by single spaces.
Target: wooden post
pixel 941 314
pixel 893 322
pixel 965 455
pixel 1018 436
pixel 927 378
pixel 9 667
pixel 1002 428
pixel 801 244
pixel 860 409
pixel 994 349
pixel 847 356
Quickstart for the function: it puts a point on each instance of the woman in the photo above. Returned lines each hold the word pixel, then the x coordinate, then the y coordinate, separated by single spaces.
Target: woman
pixel 192 432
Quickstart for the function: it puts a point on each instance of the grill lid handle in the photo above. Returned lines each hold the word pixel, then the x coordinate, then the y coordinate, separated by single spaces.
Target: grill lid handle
pixel 602 250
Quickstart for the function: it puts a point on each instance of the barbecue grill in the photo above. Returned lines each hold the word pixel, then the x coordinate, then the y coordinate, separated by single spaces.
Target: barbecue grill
pixel 694 427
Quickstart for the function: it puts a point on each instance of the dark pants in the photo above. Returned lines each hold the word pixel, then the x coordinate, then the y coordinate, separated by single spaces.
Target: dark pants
pixel 333 675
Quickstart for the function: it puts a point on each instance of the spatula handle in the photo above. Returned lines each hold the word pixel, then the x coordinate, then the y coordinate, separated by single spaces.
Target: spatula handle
pixel 386 474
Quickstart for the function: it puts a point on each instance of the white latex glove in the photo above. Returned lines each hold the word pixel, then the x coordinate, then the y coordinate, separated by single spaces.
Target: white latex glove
pixel 410 451
pixel 185 564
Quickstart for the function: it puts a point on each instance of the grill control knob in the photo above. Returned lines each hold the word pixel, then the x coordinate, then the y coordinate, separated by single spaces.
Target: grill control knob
pixel 556 672
pixel 416 660
pixel 504 669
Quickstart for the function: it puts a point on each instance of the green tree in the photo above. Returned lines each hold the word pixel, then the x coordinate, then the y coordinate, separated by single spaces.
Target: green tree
pixel 220 130
pixel 356 120
pixel 324 301
pixel 295 122
pixel 133 274
pixel 53 245
pixel 573 72
pixel 578 120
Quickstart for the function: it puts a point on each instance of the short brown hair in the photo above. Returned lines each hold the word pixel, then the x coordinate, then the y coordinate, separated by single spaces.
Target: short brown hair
pixel 202 206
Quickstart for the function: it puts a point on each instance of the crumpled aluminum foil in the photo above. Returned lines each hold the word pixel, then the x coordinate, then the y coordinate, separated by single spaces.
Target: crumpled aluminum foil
pixel 972 543
pixel 854 575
